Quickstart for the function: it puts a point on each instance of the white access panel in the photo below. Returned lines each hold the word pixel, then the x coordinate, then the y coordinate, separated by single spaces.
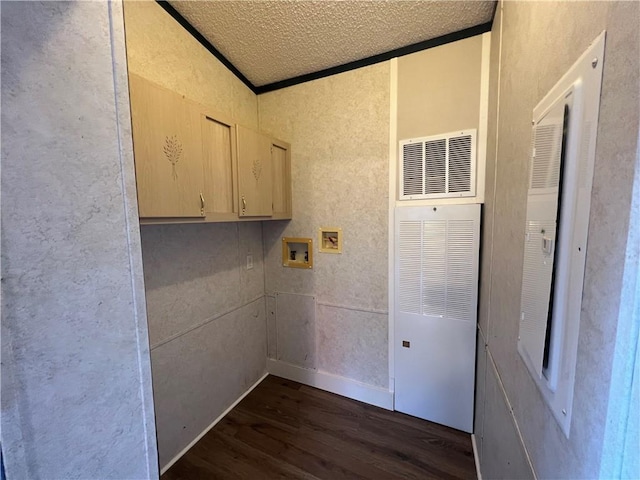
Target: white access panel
pixel 564 131
pixel 540 235
pixel 436 293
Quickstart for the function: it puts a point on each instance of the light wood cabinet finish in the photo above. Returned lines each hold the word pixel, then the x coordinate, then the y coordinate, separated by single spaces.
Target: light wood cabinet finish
pixel 168 154
pixel 281 179
pixel 255 195
pixel 196 166
pixel 220 168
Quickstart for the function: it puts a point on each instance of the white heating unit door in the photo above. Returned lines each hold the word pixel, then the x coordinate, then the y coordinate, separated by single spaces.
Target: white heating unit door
pixel 436 294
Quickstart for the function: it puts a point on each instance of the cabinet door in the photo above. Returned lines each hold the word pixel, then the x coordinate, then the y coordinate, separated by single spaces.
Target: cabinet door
pixel 255 195
pixel 219 156
pixel 168 151
pixel 281 169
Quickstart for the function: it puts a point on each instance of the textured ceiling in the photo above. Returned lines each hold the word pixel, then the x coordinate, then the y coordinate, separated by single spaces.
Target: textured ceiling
pixel 273 40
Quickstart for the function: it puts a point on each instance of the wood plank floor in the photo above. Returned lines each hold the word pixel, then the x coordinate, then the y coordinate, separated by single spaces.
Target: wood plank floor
pixel 284 429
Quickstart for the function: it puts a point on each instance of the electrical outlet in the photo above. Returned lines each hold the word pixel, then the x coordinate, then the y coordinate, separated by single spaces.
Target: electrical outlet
pixel 249 261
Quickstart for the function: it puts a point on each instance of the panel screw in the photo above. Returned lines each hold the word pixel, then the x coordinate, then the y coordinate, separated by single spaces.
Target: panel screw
pixel 594 62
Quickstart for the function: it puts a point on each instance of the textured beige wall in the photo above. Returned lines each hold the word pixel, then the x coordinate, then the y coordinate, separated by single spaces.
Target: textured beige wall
pixel 76 378
pixel 161 50
pixel 439 89
pixel 339 130
pixel 540 41
pixel 207 323
pixel 487 231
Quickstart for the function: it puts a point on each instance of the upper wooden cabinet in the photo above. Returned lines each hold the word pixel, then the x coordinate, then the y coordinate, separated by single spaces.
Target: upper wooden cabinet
pixel 264 175
pixel 220 168
pixel 194 165
pixel 281 179
pixel 167 144
pixel 255 182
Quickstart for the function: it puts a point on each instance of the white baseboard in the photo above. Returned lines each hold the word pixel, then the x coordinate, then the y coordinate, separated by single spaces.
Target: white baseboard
pixel 380 397
pixel 204 432
pixel 476 456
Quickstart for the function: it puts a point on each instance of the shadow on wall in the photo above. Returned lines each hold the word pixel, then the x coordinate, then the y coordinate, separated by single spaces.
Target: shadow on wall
pixel 275 231
pixel 181 253
pixel 45 27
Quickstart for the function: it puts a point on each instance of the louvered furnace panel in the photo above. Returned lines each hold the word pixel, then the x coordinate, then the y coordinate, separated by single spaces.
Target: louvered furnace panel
pixel 436 272
pixel 540 245
pixel 440 166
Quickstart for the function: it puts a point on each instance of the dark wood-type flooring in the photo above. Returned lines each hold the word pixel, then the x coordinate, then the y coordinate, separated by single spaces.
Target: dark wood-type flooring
pixel 283 429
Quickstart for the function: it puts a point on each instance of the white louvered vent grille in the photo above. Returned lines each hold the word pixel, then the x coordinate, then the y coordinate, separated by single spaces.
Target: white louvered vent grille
pixel 460 287
pixel 412 155
pixel 436 261
pixel 460 164
pixel 410 266
pixel 547 148
pixel 435 165
pixel 439 166
pixel 434 272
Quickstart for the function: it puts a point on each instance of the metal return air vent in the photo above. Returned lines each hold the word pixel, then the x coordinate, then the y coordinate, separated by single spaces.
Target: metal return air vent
pixel 439 166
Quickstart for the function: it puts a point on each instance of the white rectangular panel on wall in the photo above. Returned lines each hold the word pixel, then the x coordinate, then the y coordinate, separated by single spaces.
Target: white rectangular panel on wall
pixel 540 236
pixel 439 166
pixel 296 329
pixel 436 288
pixel 561 171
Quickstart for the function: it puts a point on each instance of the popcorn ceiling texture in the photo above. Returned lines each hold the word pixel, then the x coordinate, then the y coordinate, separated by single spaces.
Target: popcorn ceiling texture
pixel 271 40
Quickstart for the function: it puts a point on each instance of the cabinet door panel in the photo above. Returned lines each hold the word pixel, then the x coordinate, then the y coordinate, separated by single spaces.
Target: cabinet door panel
pixel 281 164
pixel 254 174
pixel 168 151
pixel 218 150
